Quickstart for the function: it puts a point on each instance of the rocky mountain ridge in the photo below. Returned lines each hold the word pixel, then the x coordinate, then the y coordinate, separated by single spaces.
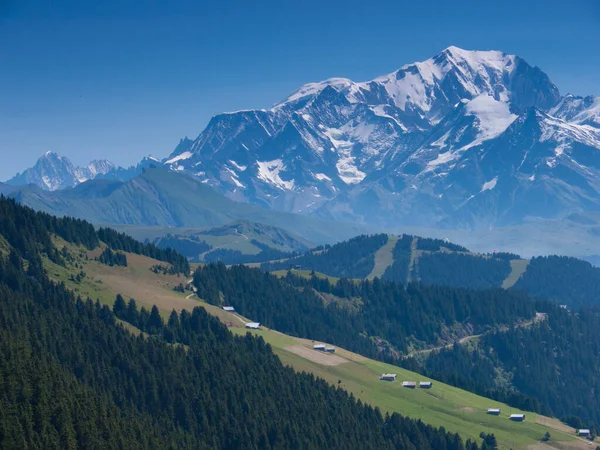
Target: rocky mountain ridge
pixel 465 139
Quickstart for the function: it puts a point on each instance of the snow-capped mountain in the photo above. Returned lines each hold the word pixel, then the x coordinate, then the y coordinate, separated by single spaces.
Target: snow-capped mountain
pixel 580 110
pixel 52 172
pixel 469 138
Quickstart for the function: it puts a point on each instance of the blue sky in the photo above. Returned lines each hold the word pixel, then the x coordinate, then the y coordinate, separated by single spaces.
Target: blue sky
pixel 123 79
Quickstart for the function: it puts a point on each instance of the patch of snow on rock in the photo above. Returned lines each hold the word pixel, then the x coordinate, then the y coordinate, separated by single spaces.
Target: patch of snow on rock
pixel 347 169
pixel 238 166
pixel 268 171
pixel 488 186
pixel 322 176
pixel 180 157
pixel 493 118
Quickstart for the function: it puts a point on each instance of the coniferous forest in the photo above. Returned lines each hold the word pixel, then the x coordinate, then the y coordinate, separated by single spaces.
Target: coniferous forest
pixel 461 270
pixel 351 313
pixel 72 377
pixel 354 258
pixel 189 246
pixel 529 364
pixel 568 281
pixel 550 367
pixel 398 270
pixel 229 256
pixel 111 258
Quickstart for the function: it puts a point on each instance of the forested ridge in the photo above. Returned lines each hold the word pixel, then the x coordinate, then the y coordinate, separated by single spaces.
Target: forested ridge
pixel 121 241
pixel 358 315
pixel 189 246
pixel 462 270
pixel 435 245
pixel 354 258
pixel 398 270
pixel 436 262
pixel 549 367
pixel 29 232
pixel 565 280
pixel 229 256
pixel 72 377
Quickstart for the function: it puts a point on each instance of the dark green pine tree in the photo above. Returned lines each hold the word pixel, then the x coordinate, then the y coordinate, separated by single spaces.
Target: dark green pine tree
pixel 120 307
pixel 155 322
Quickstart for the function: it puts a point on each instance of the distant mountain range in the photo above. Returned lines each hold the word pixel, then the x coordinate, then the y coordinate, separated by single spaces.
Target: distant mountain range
pixel 466 139
pixel 53 172
pixel 162 198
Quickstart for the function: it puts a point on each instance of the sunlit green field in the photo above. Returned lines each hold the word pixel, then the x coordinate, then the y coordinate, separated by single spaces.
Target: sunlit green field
pixel 442 405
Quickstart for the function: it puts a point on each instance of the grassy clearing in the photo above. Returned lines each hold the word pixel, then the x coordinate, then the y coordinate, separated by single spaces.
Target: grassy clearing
pixel 442 405
pixel 231 242
pixel 384 258
pixel 103 283
pixel 4 247
pixel 226 238
pixel 517 269
pixel 305 274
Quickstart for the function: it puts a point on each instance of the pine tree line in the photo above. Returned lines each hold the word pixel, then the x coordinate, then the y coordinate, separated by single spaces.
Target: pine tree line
pixel 111 258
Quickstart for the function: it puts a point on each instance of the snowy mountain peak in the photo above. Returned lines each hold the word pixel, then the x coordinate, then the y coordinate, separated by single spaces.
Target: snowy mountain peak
pixel 465 137
pixel 53 172
pixel 309 90
pixel 479 58
pixel 424 92
pixel 581 110
pixel 97 167
pixel 50 172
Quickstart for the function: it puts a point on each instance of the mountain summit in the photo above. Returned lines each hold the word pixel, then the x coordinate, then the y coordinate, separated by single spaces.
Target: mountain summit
pixel 52 172
pixel 466 138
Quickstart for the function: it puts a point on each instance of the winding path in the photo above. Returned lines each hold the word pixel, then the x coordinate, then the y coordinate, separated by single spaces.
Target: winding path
pixel 243 238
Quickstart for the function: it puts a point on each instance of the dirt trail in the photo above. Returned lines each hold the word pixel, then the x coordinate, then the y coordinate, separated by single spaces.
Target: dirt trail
pixel 439 347
pixel 539 317
pixel 384 258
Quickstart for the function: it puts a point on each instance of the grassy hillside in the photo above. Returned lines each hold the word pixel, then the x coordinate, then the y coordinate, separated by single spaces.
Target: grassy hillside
pixel 517 269
pixel 443 405
pixel 103 283
pixel 237 236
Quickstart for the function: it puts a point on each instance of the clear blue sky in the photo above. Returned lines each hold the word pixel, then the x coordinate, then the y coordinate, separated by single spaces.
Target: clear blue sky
pixel 120 79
